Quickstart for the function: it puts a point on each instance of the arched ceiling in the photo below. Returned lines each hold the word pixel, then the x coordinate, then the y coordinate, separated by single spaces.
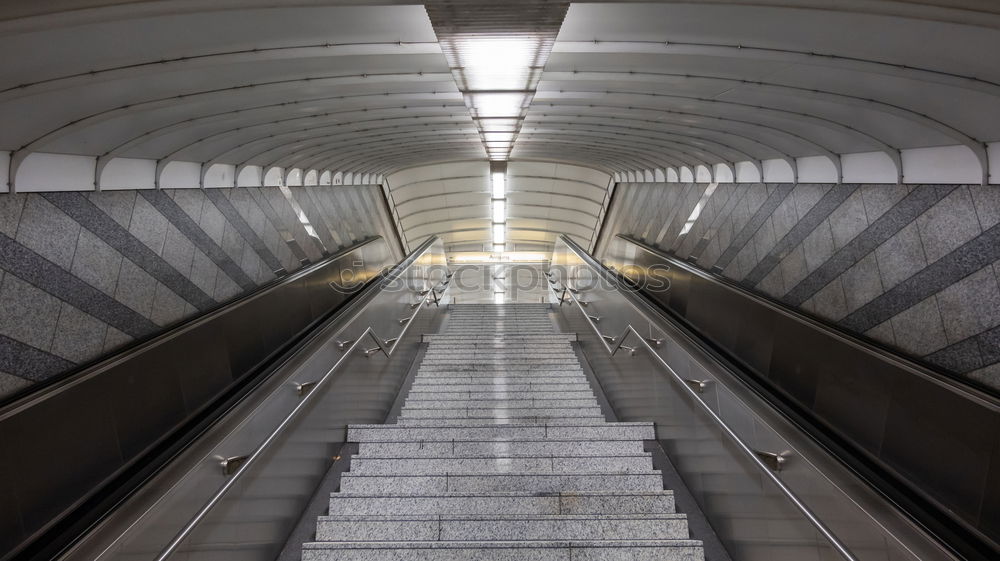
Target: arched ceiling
pixel 353 88
pixel 366 87
pixel 650 85
pixel 543 200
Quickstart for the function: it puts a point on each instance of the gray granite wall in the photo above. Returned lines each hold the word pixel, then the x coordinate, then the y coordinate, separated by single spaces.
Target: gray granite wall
pixel 82 274
pixel 912 266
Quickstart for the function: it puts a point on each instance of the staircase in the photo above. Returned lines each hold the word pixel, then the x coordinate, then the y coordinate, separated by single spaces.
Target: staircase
pixel 501 452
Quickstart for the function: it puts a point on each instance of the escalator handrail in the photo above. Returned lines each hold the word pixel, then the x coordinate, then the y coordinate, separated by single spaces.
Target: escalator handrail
pixel 61 382
pixel 568 293
pixel 382 345
pixel 984 396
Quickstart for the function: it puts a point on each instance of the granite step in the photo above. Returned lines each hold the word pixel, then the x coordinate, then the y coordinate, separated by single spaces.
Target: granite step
pixel 496 403
pixel 592 550
pixel 491 353
pixel 608 431
pixel 501 452
pixel 507 502
pixel 419 387
pixel 427 484
pixel 508 337
pixel 501 413
pixel 492 449
pixel 486 372
pixel 433 379
pixel 484 381
pixel 361 465
pixel 430 358
pixel 492 358
pixel 501 394
pixel 501 364
pixel 505 527
pixel 488 422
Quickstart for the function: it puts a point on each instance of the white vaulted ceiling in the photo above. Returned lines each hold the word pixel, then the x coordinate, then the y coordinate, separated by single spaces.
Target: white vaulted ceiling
pixel 544 200
pixel 671 85
pixel 347 88
pixel 718 90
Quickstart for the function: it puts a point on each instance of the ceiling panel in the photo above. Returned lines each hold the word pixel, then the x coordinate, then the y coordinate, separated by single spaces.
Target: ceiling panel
pixel 368 89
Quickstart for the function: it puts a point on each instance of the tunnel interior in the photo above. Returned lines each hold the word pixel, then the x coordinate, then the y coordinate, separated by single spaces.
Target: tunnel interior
pixel 167 162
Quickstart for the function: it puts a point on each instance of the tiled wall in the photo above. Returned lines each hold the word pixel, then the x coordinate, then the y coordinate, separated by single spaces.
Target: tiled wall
pixel 81 274
pixel 912 266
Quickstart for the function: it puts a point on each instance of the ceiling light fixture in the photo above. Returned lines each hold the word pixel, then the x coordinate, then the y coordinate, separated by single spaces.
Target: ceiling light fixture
pixel 496 54
pixel 499 185
pixel 498 178
pixel 499 234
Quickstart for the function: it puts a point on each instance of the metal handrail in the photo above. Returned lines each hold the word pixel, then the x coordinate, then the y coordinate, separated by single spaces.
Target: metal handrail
pixel 944 380
pixel 248 460
pixel 752 454
pixel 47 390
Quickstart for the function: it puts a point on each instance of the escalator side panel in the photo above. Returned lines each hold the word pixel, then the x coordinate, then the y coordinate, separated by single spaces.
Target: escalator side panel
pixel 932 437
pixel 747 510
pixel 64 441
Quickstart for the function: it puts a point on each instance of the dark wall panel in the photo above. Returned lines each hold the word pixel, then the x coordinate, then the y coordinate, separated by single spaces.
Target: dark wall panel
pixel 82 274
pixel 928 436
pixel 914 267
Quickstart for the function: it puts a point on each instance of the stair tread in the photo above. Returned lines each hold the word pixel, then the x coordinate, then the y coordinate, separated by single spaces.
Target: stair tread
pixel 502 445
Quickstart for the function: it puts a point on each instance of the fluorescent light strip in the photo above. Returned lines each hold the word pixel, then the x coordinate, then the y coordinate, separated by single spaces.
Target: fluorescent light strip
pixel 496 53
pixel 499 185
pixel 499 210
pixel 499 234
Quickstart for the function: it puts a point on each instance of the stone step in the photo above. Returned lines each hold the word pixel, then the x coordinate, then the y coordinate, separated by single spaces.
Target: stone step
pixel 426 484
pixel 517 323
pixel 512 432
pixel 518 378
pixel 506 327
pixel 527 421
pixel 501 452
pixel 509 326
pixel 487 371
pixel 361 465
pixel 490 373
pixel 458 360
pixel 500 364
pixel 506 527
pixel 488 342
pixel 499 413
pixel 580 502
pixel 485 386
pixel 501 394
pixel 491 449
pixel 510 337
pixel 506 352
pixel 504 349
pixel 433 379
pixel 594 550
pixel 497 403
pixel 501 367
pixel 514 355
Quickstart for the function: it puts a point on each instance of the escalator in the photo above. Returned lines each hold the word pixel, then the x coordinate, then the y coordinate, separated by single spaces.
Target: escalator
pixel 796 440
pixel 210 438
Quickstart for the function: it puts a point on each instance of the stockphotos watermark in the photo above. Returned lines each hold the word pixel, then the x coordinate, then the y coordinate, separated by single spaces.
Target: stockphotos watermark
pixel 512 278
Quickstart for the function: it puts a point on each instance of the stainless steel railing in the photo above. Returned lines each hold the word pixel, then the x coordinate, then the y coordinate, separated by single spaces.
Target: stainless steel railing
pixel 252 473
pixel 767 462
pixel 385 346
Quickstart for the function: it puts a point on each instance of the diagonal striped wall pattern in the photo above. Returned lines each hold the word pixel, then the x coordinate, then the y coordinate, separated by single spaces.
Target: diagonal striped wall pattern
pixel 912 266
pixel 82 274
